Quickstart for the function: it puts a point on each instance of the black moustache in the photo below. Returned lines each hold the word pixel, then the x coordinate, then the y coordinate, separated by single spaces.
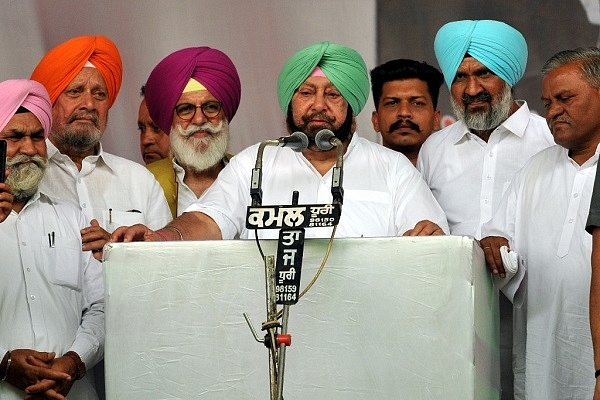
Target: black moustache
pixel 484 96
pixel 408 123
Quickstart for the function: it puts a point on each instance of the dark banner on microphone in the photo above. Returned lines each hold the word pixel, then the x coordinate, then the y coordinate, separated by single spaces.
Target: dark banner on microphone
pixel 294 216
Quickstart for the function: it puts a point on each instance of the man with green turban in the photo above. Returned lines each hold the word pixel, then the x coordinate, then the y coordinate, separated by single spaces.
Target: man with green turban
pixel 323 86
pixel 469 164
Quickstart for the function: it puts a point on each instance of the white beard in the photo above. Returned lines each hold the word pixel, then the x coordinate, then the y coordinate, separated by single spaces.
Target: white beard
pixel 200 154
pixel 482 121
pixel 26 173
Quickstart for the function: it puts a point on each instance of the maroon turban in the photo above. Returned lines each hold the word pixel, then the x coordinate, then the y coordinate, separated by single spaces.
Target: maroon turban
pixel 211 67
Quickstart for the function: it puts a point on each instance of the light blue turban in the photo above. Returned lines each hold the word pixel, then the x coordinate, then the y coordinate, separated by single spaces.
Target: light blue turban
pixel 498 46
pixel 343 66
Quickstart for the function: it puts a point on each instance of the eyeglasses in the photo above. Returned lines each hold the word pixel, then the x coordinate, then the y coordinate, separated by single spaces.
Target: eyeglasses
pixel 210 109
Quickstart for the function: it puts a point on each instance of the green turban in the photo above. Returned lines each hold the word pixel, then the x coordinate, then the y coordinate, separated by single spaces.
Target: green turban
pixel 343 66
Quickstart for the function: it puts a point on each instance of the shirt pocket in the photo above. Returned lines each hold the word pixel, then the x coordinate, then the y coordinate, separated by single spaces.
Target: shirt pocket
pixel 113 219
pixel 62 261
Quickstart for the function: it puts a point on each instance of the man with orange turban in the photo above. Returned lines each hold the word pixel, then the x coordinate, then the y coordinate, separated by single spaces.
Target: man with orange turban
pixel 83 76
pixel 192 94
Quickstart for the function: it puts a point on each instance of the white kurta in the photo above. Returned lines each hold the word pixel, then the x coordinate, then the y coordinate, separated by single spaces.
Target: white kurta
pixel 469 176
pixel 111 189
pixel 51 298
pixel 543 215
pixel 185 195
pixel 384 195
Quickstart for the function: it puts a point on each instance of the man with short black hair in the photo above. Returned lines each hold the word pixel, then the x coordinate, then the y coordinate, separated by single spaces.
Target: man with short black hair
pixel 406 93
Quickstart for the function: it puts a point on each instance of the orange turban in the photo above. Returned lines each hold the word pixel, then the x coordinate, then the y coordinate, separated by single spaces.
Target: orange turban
pixel 62 64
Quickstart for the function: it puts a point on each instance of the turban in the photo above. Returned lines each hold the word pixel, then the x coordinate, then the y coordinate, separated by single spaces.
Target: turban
pixel 211 67
pixel 498 46
pixel 343 66
pixel 62 64
pixel 31 95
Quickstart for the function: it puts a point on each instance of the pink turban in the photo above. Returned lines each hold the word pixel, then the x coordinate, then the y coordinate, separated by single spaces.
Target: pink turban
pixel 31 95
pixel 62 64
pixel 211 67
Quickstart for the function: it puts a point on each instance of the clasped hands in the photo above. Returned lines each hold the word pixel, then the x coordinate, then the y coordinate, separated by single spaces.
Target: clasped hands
pixel 40 374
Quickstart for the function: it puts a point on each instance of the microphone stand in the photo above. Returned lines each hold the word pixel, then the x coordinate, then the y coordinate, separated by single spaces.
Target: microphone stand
pixel 256 179
pixel 337 190
pixel 277 342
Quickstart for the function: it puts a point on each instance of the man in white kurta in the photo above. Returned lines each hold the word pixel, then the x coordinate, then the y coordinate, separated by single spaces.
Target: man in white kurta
pixel 468 175
pixel 110 189
pixel 83 77
pixel 543 215
pixel 542 218
pixel 51 292
pixel 51 297
pixel 469 164
pixel 388 203
pixel 320 88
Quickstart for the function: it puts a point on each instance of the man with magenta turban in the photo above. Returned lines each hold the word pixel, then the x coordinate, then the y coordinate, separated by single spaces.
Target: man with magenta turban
pixel 469 164
pixel 83 76
pixel 192 95
pixel 51 292
pixel 323 86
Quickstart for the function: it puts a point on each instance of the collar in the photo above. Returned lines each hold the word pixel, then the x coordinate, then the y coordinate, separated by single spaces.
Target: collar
pixel 179 171
pixel 516 123
pixel 55 154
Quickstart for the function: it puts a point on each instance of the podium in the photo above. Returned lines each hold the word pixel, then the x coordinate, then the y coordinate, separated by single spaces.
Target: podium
pixel 389 318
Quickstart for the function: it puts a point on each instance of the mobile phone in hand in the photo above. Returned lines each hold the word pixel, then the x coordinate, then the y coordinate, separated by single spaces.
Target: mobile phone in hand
pixel 2 160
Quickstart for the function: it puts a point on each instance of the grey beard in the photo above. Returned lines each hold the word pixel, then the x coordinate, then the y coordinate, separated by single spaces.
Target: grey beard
pixel 482 121
pixel 70 139
pixel 25 176
pixel 200 154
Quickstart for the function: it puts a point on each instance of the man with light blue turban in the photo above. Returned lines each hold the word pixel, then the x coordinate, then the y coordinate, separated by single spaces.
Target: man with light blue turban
pixel 469 164
pixel 323 86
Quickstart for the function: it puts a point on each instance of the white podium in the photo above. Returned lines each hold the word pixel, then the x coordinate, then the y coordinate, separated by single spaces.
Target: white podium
pixel 389 318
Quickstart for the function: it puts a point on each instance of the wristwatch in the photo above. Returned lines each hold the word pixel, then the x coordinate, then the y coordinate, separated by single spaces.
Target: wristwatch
pixel 79 365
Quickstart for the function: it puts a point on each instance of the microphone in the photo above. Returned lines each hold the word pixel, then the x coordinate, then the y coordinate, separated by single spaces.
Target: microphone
pixel 326 140
pixel 297 141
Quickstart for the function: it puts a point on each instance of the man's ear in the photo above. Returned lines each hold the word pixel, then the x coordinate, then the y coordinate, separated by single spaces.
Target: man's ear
pixel 375 121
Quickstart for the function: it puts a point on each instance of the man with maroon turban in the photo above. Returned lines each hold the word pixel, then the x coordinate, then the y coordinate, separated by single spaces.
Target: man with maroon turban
pixel 51 292
pixel 192 94
pixel 83 76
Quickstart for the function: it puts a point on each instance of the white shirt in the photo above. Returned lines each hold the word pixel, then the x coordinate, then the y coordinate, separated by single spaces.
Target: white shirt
pixel 185 195
pixel 384 195
pixel 543 214
pixel 111 189
pixel 468 176
pixel 51 298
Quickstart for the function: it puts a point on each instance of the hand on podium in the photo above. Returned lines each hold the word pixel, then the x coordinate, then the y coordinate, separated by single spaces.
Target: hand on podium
pixel 135 233
pixel 424 228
